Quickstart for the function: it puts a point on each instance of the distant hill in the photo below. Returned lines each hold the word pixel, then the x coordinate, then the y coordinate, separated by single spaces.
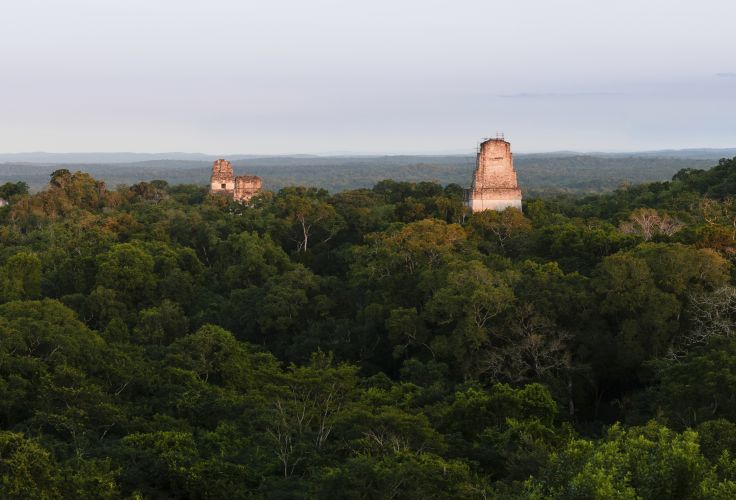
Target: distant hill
pixel 539 174
pixel 698 154
pixel 104 158
pixel 126 157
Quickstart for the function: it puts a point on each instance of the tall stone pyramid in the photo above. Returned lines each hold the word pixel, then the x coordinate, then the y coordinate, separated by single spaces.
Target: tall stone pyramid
pixel 494 184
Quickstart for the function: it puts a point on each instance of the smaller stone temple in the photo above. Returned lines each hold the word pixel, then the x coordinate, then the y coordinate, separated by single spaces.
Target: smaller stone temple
pixel 241 188
pixel 494 184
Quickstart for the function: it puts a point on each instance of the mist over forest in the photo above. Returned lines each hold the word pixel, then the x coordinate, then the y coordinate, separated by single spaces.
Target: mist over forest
pixel 539 174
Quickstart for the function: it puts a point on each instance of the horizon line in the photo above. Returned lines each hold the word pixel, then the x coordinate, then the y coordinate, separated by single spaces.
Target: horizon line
pixel 450 152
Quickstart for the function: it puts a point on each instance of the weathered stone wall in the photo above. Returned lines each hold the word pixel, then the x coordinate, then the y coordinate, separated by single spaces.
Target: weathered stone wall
pixel 494 184
pixel 246 186
pixel 495 167
pixel 222 180
pixel 222 169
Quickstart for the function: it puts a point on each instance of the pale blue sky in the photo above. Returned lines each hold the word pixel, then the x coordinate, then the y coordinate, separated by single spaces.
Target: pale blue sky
pixel 300 76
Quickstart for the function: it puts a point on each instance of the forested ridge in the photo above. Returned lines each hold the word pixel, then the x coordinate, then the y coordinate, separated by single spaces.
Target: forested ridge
pixel 159 342
pixel 541 174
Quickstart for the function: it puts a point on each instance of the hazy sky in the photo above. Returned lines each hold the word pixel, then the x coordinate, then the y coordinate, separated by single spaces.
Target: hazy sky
pixel 301 76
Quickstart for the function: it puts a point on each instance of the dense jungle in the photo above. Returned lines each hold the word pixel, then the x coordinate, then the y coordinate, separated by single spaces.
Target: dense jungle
pixel 160 342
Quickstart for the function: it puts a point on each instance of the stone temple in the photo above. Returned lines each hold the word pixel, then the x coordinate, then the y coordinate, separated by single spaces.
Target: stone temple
pixel 494 180
pixel 241 188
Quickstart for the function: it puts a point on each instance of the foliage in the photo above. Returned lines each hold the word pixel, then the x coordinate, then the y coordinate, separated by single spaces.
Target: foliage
pixel 156 342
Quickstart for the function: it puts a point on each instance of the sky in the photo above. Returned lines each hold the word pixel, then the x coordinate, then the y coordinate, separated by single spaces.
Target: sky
pixel 377 76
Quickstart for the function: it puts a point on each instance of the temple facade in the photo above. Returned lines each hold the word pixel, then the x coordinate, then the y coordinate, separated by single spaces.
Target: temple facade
pixel 241 188
pixel 494 184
